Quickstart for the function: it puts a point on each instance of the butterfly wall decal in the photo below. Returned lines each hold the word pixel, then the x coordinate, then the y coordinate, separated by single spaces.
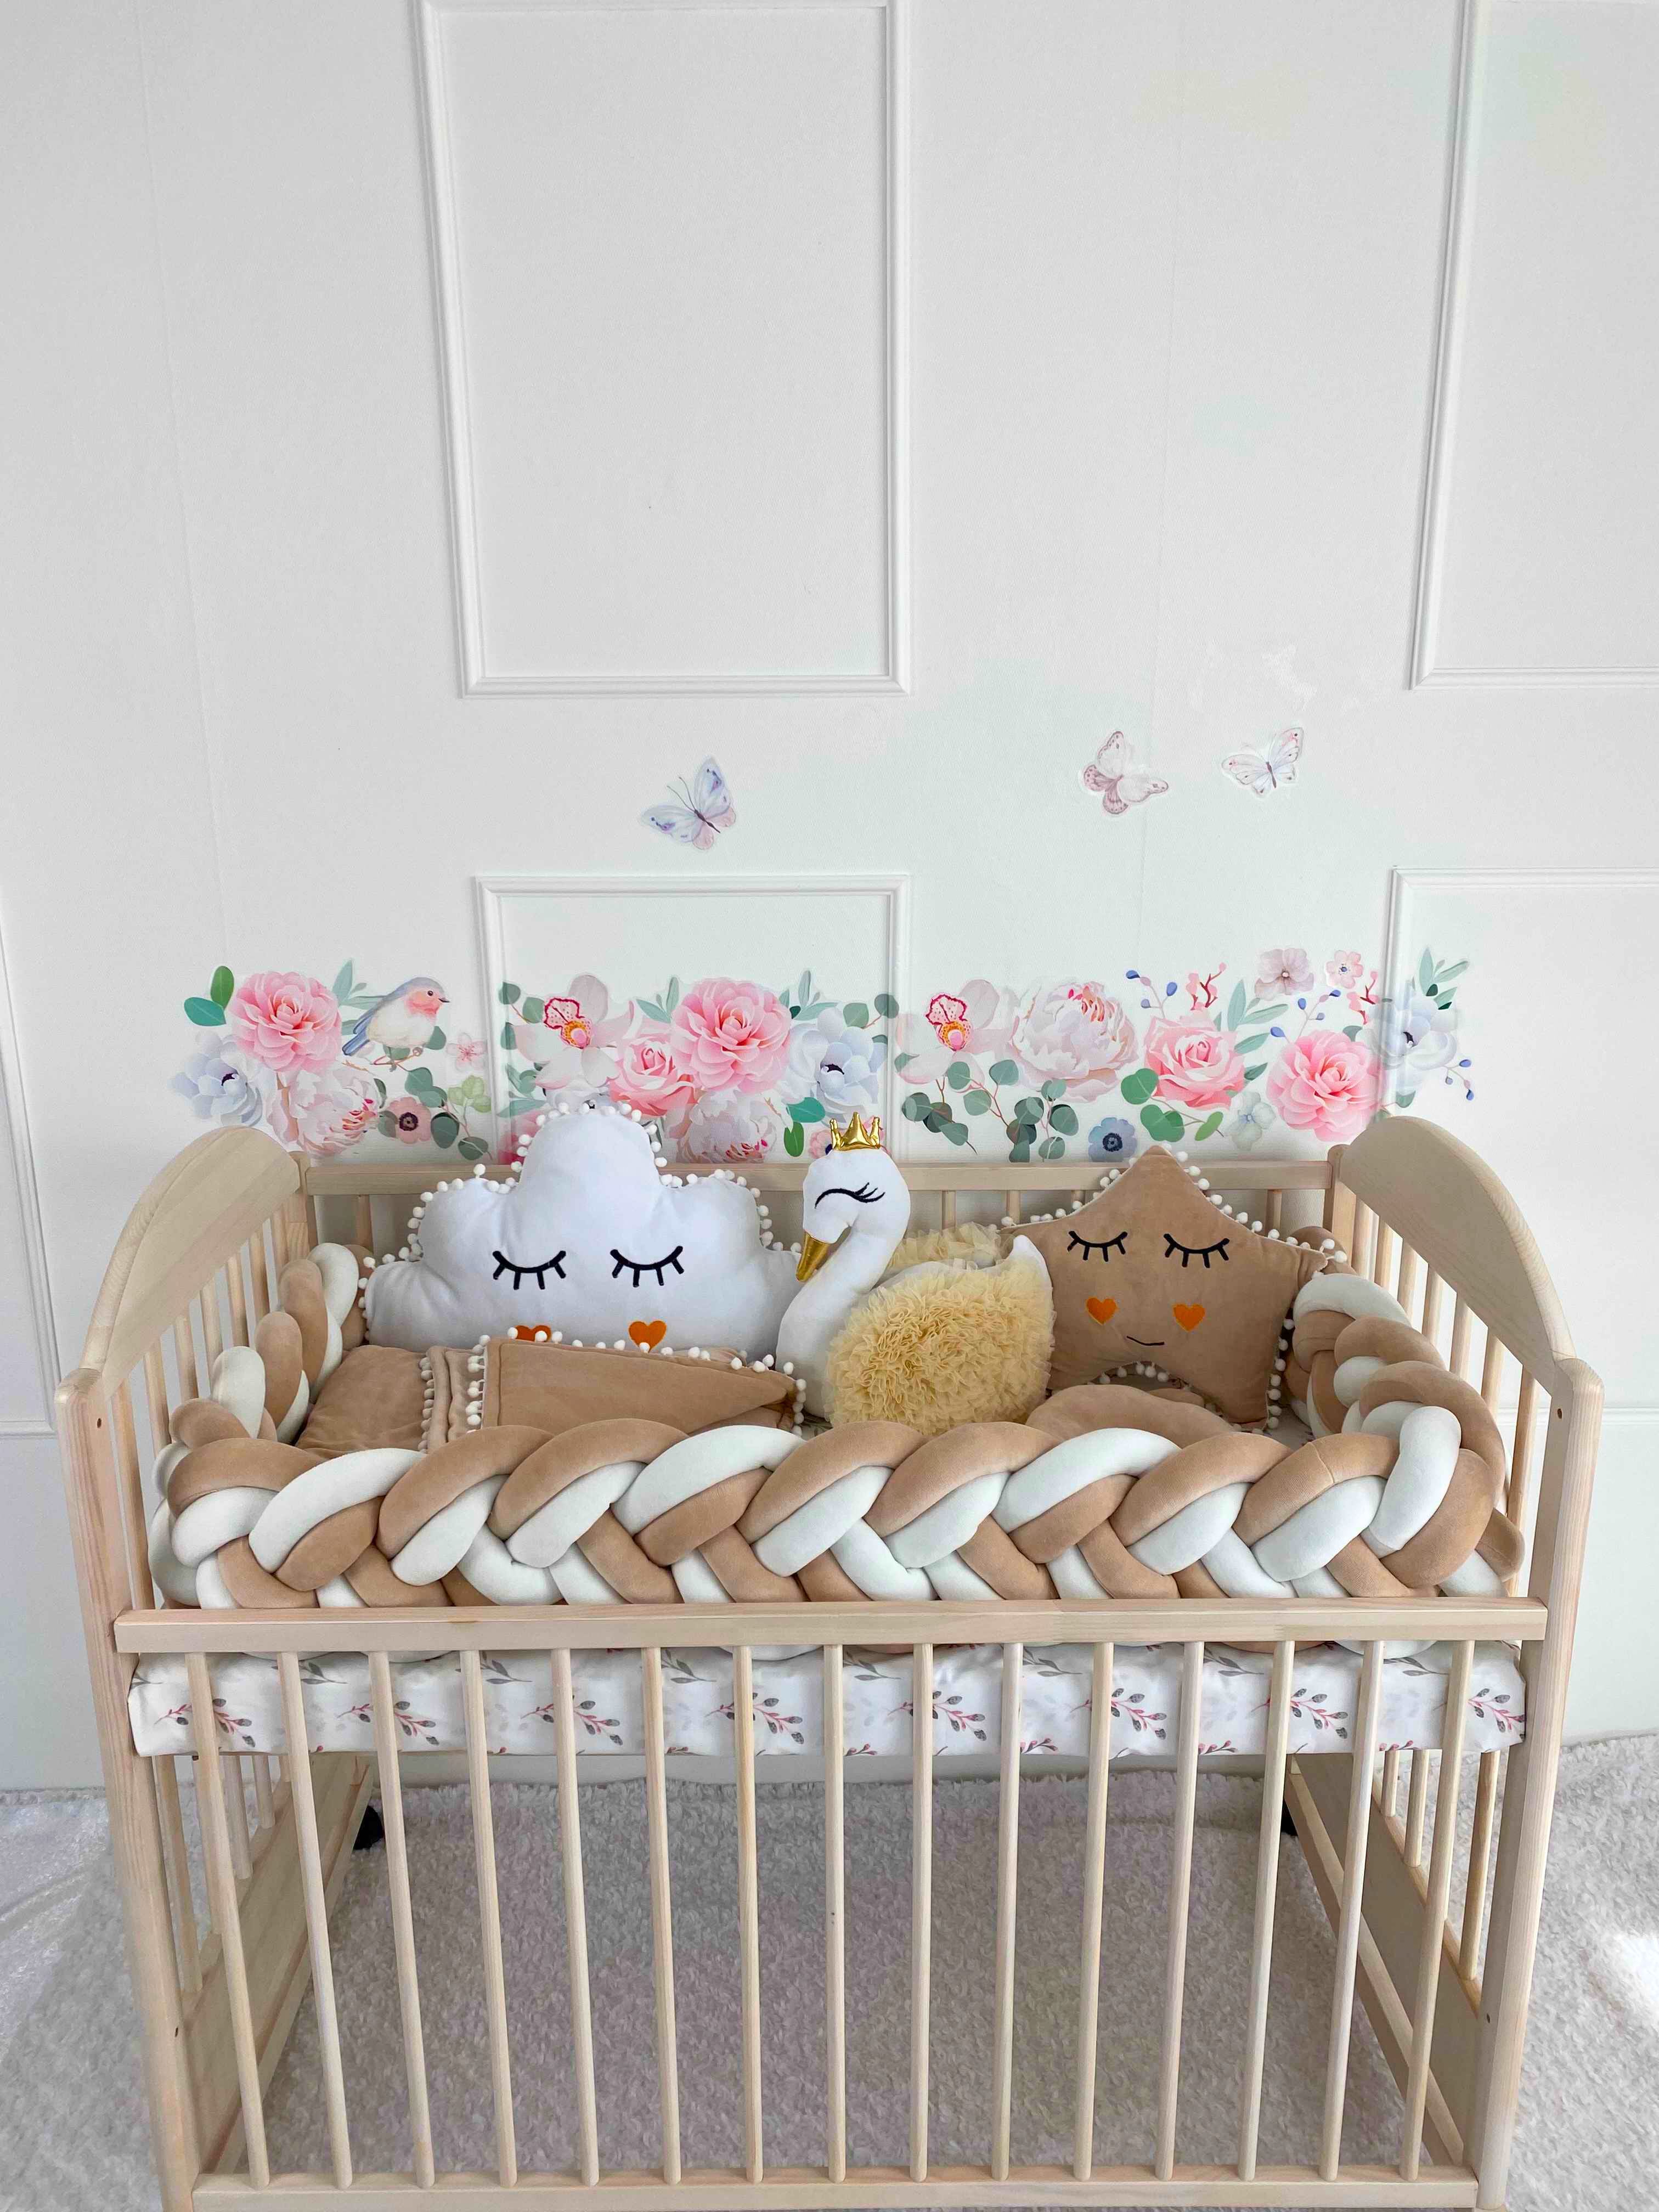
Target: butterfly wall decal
pixel 706 810
pixel 1262 772
pixel 1121 784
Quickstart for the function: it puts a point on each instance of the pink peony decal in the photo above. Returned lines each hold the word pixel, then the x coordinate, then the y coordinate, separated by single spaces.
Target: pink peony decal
pixel 1075 1033
pixel 648 1078
pixel 728 1036
pixel 1195 1064
pixel 285 1021
pixel 730 1127
pixel 326 1112
pixel 1327 1084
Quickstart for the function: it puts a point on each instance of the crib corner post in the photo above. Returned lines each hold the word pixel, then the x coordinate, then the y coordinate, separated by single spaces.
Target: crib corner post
pixel 135 1826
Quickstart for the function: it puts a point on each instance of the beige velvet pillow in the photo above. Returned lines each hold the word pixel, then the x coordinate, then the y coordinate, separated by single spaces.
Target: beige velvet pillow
pixel 557 1386
pixel 1151 1270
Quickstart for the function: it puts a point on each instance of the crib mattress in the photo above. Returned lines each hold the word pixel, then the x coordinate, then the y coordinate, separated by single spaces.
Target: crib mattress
pixel 788 1695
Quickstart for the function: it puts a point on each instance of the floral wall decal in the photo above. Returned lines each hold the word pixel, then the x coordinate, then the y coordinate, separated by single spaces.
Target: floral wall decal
pixel 1302 1053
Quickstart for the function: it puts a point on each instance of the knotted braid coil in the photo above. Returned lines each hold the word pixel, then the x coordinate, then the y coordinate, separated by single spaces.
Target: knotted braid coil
pixel 1106 1492
pixel 262 1393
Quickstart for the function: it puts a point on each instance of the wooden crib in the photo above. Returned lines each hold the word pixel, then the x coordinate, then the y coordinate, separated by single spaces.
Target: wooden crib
pixel 194 1269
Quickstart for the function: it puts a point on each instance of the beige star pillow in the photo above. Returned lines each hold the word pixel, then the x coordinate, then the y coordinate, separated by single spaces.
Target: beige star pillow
pixel 1151 1270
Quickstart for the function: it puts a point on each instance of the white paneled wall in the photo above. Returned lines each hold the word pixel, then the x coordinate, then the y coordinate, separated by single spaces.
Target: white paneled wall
pixel 433 428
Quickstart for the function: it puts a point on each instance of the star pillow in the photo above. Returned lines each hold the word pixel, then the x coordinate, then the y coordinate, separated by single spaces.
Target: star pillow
pixel 595 1241
pixel 1153 1271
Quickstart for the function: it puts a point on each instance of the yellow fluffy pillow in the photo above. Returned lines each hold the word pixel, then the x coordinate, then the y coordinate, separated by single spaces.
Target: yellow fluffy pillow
pixel 954 1344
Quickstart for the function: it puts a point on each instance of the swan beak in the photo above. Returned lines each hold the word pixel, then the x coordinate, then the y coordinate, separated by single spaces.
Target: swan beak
pixel 813 1254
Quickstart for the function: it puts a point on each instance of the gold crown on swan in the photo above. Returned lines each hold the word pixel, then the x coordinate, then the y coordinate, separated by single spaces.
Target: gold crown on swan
pixel 858 1136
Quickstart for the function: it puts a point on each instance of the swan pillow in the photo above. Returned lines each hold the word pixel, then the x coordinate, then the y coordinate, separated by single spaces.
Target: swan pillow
pixel 1152 1272
pixel 594 1240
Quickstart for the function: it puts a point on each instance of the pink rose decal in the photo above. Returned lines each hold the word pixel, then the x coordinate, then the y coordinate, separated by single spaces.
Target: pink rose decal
pixel 286 1022
pixel 1195 1064
pixel 1325 1083
pixel 648 1078
pixel 727 1035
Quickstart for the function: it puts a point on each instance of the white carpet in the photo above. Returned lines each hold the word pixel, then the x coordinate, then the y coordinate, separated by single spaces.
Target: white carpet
pixel 71 2120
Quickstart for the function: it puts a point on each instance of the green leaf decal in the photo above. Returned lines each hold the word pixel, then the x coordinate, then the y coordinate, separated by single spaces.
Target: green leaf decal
pixel 955 1132
pixel 470 1149
pixel 1161 1123
pixel 444 1128
pixel 902 1061
pixel 915 1105
pixel 1251 1043
pixel 509 994
pixel 886 1005
pixel 418 1080
pixel 1054 1087
pixel 958 1075
pixel 794 1140
pixel 533 1009
pixel 386 1124
pixel 1063 1118
pixel 219 989
pixel 670 997
pixel 1004 1071
pixel 506 1036
pixel 976 1102
pixel 1235 1006
pixel 437 1041
pixel 343 983
pixel 856 1014
pixel 1029 1109
pixel 1020 1154
pixel 1251 1073
pixel 1425 969
pixel 808 1110
pixel 1208 1127
pixel 1138 1088
pixel 204 1013
pixel 1052 1148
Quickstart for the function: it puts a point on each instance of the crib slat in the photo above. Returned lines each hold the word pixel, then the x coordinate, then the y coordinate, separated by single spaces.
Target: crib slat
pixel 743 1708
pixel 1012 1201
pixel 363 1223
pixel 1434 1915
pixel 1002 2086
pixel 1406 1290
pixel 1273 1213
pixel 262 1795
pixel 1266 1893
pixel 835 1912
pixel 1384 1256
pixel 213 1336
pixel 186 1941
pixel 1461 1320
pixel 258 1274
pixel 236 1800
pixel 1518 1499
pixel 947 1209
pixel 1391 1783
pixel 662 1914
pixel 233 1274
pixel 316 1900
pixel 155 1399
pixel 1491 1369
pixel 1365 1228
pixel 1094 1880
pixel 575 1916
pixel 1181 1882
pixel 1474 1896
pixel 1417 1806
pixel 1348 1923
pixel 921 1897
pixel 222 1883
pixel 183 1345
pixel 1433 1289
pixel 402 1915
pixel 489 1913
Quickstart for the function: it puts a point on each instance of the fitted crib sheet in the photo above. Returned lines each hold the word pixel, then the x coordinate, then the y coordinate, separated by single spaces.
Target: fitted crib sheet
pixel 788 1701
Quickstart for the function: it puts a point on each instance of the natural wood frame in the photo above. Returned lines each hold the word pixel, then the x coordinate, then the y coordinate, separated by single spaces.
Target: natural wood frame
pixel 195 1267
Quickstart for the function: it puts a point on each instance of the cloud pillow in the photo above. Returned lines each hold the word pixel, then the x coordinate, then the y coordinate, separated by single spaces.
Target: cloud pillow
pixel 593 1240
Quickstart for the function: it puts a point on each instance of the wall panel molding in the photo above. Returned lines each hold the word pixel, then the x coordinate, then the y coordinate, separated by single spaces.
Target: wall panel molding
pixel 478 678
pixel 1427 668
pixel 21 1167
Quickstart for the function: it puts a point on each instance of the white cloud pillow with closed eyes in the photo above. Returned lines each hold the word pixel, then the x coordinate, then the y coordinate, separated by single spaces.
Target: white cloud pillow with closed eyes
pixel 592 1241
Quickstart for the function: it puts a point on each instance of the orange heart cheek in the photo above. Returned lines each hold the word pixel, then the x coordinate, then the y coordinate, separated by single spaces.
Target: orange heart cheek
pixel 1188 1317
pixel 1103 1309
pixel 647 1333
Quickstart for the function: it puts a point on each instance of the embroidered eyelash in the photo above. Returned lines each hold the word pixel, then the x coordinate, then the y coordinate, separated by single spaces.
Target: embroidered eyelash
pixel 1112 1244
pixel 503 1265
pixel 641 1268
pixel 865 1195
pixel 1204 1252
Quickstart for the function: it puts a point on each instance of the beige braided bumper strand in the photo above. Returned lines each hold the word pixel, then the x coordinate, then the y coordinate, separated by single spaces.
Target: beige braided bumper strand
pixel 1107 1492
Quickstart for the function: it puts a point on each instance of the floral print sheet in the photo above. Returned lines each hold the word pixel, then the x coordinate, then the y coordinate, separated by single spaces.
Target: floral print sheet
pixel 788 1701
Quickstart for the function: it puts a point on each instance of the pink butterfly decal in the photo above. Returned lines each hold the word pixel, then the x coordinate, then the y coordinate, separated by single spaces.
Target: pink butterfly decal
pixel 1262 772
pixel 1120 785
pixel 708 809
